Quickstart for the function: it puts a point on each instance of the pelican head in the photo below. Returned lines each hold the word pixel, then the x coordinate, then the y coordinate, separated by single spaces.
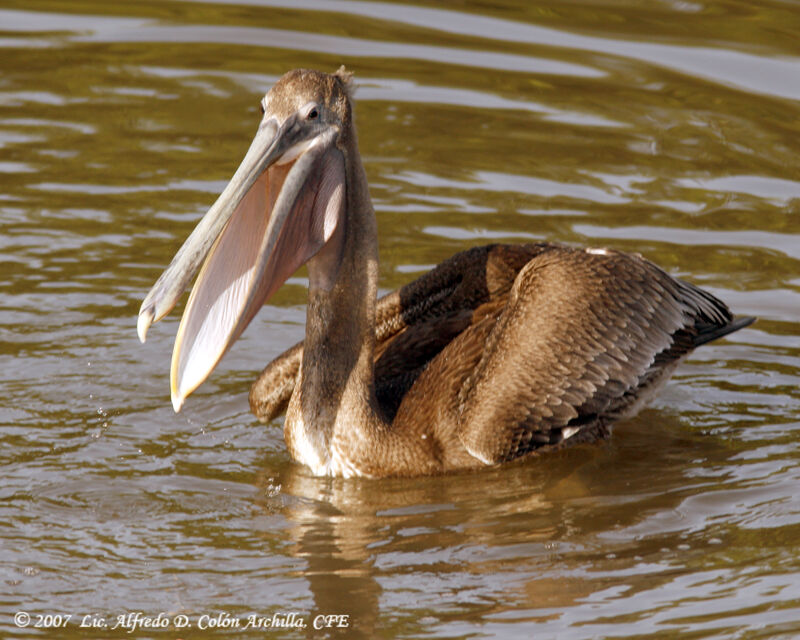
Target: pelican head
pixel 283 205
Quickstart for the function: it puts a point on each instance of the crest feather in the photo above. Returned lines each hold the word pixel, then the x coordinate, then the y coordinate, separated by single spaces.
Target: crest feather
pixel 346 78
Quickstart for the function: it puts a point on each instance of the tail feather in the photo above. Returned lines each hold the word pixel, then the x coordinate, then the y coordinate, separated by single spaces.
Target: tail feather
pixel 710 332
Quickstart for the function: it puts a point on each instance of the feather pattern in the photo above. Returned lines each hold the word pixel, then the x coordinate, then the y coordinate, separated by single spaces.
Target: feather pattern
pixel 538 345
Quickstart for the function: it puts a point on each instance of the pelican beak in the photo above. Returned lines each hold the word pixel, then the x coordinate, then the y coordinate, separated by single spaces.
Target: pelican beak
pixel 280 208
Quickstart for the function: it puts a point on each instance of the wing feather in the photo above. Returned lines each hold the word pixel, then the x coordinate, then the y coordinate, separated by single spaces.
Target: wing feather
pixel 584 335
pixel 511 348
pixel 413 324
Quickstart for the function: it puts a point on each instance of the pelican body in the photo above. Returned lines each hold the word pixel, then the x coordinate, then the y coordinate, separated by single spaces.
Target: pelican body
pixel 500 352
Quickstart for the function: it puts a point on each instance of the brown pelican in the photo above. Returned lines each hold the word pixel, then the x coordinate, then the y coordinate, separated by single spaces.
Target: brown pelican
pixel 500 352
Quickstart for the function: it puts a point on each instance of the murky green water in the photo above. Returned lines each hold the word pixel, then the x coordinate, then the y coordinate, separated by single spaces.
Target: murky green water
pixel 671 128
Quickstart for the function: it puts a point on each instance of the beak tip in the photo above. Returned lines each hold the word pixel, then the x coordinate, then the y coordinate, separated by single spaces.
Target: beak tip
pixel 144 322
pixel 177 402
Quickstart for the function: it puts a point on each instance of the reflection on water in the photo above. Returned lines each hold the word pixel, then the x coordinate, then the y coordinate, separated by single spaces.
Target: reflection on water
pixel 665 128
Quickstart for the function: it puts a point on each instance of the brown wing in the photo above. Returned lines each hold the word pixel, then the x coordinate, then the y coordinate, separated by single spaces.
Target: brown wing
pixel 583 335
pixel 413 324
pixel 576 342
